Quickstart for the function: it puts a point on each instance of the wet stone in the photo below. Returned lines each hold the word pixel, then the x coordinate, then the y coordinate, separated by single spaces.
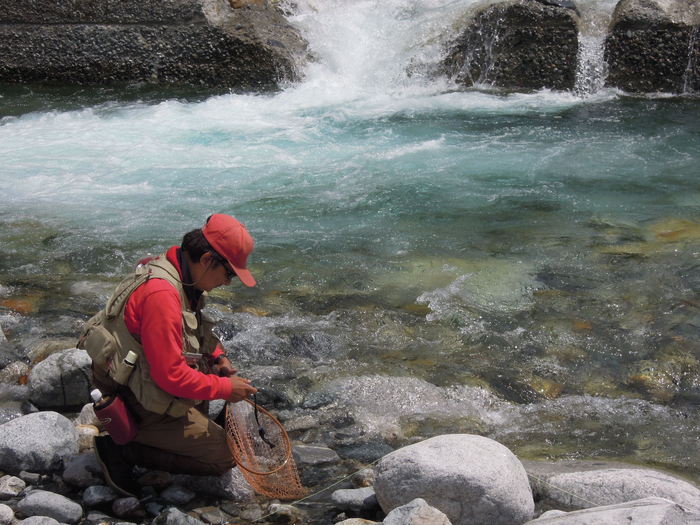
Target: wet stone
pixel 313 455
pixel 127 507
pixel 173 516
pixel 286 514
pixel 178 495
pixel 213 515
pixel 98 495
pixel 363 478
pixel 356 500
pixel 13 372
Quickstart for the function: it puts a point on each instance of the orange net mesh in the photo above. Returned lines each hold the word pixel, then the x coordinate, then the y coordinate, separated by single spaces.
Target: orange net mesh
pixel 262 450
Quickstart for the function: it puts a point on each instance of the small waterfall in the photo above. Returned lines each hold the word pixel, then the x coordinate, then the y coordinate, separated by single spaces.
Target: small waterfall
pixel 592 70
pixel 689 75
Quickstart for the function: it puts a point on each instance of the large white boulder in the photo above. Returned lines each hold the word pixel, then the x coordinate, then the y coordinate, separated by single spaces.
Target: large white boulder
pixel 647 511
pixel 472 479
pixel 594 488
pixel 39 442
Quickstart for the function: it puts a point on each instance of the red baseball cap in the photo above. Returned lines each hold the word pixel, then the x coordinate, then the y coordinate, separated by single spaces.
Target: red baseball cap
pixel 232 241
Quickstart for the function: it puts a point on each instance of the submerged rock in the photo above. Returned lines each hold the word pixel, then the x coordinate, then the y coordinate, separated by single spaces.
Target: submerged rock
pixel 517 44
pixel 654 45
pixel 205 42
pixel 472 479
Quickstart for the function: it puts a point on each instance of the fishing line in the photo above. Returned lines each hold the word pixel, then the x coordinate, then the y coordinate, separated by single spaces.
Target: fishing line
pixel 594 504
pixel 323 489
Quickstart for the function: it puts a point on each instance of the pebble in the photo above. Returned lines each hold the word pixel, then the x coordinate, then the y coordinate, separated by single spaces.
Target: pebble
pixel 52 505
pixel 124 507
pixel 177 495
pixel 10 486
pixel 97 495
pixel 6 514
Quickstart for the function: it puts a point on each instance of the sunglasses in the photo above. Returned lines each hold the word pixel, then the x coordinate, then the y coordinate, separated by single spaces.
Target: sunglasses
pixel 230 274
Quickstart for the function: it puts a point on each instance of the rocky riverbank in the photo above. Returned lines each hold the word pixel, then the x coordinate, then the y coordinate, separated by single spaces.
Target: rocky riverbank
pixel 49 474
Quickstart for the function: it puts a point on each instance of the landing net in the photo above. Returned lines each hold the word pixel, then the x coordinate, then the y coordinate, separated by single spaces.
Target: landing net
pixel 262 450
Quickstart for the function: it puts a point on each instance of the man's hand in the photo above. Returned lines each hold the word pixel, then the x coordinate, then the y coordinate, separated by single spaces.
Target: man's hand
pixel 241 388
pixel 224 367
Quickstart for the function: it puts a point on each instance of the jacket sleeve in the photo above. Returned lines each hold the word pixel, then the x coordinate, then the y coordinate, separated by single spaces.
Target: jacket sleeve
pixel 157 316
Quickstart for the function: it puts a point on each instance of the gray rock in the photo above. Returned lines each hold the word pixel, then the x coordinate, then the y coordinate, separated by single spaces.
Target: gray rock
pixel 44 503
pixel 416 512
pixel 122 507
pixel 231 485
pixel 472 479
pixel 153 508
pixel 177 495
pixel 185 41
pixel 39 520
pixel 594 488
pixel 552 514
pixel 647 511
pixel 98 495
pixel 95 517
pixel 32 478
pixel 83 470
pixel 314 455
pixel 287 513
pixel 514 44
pixel 7 515
pixel 39 442
pixel 61 380
pixel 356 500
pixel 10 487
pixel 653 46
pixel 172 516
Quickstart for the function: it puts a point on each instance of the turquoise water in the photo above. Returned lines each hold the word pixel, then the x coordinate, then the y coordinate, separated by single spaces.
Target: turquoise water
pixel 542 246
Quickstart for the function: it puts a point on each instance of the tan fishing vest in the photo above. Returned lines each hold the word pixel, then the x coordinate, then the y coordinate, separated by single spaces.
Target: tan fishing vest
pixel 107 341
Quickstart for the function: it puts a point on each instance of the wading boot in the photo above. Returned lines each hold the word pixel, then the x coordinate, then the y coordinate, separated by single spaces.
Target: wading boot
pixel 117 472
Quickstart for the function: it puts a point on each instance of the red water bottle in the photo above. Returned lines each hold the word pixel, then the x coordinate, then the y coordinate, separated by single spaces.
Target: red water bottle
pixel 114 417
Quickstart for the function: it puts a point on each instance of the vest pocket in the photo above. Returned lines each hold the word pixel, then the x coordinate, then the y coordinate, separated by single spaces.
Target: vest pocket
pixel 100 345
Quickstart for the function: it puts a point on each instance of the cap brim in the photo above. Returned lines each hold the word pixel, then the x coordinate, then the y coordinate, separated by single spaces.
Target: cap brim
pixel 244 275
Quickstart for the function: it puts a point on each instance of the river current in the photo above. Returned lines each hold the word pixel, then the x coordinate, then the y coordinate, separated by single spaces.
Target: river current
pixel 522 265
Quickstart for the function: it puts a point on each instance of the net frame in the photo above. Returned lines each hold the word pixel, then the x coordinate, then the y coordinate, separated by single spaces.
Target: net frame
pixel 243 437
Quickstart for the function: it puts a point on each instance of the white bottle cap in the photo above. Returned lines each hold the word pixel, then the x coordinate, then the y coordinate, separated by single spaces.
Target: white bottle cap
pixel 96 395
pixel 131 358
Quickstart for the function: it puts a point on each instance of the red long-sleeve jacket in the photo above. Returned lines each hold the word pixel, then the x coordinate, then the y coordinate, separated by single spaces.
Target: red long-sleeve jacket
pixel 154 314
